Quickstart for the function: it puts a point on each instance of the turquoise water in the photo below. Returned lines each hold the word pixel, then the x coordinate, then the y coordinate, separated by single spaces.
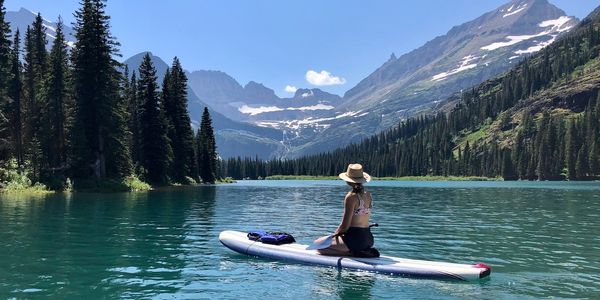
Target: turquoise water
pixel 540 238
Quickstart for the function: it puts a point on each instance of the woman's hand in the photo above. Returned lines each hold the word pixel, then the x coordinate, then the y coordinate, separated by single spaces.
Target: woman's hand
pixel 338 232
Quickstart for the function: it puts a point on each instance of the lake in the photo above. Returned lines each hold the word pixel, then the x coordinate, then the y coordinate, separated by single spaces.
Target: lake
pixel 540 238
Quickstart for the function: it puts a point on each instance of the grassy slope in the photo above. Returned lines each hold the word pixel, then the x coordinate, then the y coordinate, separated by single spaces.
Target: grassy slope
pixel 554 99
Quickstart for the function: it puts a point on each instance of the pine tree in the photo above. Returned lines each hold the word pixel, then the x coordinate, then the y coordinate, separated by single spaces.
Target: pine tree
pixel 36 65
pixel 5 51
pixel 134 122
pixel 5 58
pixel 207 150
pixel 35 69
pixel 594 164
pixel 55 111
pixel 571 151
pixel 508 171
pixel 14 107
pixel 544 148
pixel 581 166
pixel 180 133
pixel 99 137
pixel 156 149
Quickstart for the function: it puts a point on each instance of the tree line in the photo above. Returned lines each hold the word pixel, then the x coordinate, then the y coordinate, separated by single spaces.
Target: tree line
pixel 77 112
pixel 539 144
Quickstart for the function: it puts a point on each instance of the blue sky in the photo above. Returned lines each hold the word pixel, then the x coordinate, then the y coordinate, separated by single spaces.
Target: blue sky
pixel 278 43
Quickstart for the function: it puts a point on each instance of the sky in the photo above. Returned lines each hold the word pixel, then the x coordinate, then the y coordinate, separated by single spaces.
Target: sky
pixel 329 44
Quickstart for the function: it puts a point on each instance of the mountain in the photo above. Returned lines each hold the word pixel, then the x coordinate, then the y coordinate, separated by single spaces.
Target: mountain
pixel 256 94
pixel 301 115
pixel 540 120
pixel 466 53
pixel 133 64
pixel 23 18
pixel 417 81
pixel 256 103
pixel 219 90
pixel 233 138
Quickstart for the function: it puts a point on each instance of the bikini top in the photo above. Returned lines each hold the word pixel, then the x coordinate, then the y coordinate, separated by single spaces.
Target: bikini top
pixel 362 210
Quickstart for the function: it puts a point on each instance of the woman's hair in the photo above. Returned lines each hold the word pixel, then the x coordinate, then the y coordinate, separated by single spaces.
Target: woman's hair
pixel 357 188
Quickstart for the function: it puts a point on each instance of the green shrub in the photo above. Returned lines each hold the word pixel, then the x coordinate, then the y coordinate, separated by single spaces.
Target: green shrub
pixel 189 180
pixel 13 180
pixel 226 180
pixel 136 185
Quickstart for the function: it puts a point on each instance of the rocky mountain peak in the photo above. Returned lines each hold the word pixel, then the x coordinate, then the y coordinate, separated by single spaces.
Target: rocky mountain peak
pixel 258 93
pixel 23 17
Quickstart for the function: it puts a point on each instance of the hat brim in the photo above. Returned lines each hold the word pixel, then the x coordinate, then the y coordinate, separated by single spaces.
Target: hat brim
pixel 366 178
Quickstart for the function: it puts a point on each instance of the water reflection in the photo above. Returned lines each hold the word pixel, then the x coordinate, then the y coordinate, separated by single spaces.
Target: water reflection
pixel 123 244
pixel 355 285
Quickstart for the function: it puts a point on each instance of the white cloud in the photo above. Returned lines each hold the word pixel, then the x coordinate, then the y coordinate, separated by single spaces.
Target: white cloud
pixel 290 88
pixel 323 78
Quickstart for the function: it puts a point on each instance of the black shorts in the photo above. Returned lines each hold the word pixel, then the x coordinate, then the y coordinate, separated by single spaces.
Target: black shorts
pixel 358 238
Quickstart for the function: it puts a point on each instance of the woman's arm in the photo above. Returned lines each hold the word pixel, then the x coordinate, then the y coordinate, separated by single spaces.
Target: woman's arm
pixel 349 204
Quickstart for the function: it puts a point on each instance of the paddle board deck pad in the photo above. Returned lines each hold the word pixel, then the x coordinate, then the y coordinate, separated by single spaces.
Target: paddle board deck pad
pixel 238 241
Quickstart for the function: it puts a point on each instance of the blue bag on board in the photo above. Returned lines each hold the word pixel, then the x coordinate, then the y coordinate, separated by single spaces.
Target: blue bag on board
pixel 269 237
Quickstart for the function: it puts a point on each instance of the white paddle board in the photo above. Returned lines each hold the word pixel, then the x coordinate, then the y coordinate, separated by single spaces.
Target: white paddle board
pixel 239 242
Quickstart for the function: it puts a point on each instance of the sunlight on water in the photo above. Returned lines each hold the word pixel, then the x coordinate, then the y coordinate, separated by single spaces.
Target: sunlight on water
pixel 539 237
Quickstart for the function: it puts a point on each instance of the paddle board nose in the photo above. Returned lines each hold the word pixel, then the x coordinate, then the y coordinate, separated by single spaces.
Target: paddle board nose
pixel 486 269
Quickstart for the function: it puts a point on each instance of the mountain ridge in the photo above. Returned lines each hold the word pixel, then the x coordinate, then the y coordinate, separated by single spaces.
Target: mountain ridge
pixel 419 80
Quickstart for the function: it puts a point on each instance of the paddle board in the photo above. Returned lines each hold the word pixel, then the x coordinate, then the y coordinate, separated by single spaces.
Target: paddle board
pixel 295 252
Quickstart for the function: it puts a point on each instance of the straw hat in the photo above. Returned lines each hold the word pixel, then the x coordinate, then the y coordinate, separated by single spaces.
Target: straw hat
pixel 355 174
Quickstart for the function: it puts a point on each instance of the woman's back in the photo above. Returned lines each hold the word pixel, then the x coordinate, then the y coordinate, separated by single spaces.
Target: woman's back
pixel 363 204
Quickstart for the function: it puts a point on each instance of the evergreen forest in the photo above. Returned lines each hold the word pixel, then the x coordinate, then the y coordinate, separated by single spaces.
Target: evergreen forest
pixel 76 118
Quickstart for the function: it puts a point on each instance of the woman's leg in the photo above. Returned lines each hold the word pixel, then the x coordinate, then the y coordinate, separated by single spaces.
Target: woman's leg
pixel 337 248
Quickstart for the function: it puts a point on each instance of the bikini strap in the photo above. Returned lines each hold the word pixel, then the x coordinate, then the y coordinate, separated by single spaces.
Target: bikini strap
pixel 361 202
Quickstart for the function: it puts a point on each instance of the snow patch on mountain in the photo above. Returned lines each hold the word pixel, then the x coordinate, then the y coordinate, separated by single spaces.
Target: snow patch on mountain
pixel 513 39
pixel 555 26
pixel 518 10
pixel 253 111
pixel 464 65
pixel 537 47
pixel 311 123
pixel 319 106
pixel 49 27
pixel 245 109
pixel 307 94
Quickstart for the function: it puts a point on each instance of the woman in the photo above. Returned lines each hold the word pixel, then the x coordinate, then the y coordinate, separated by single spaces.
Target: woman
pixel 353 235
